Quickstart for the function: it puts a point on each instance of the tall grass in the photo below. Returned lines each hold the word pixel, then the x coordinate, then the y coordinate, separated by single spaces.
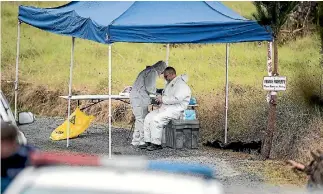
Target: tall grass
pixel 45 59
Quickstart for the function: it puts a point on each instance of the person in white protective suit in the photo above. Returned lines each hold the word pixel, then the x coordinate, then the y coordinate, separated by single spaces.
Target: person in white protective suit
pixel 174 101
pixel 144 86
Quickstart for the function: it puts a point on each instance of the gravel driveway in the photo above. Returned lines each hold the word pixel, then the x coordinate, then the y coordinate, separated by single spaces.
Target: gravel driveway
pixel 95 140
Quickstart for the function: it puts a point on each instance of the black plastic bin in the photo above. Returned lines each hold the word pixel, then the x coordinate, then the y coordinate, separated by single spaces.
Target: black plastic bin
pixel 182 134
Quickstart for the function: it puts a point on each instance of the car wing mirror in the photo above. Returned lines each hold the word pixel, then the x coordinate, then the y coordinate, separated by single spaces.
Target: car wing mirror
pixel 25 118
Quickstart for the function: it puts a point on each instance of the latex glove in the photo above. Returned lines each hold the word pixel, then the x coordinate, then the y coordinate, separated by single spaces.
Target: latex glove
pixel 159 99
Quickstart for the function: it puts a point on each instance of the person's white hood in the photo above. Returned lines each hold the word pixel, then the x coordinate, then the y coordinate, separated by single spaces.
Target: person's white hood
pixel 160 66
pixel 184 77
pixel 177 93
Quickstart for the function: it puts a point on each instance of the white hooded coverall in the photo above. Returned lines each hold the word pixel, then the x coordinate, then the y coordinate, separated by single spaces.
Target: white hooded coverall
pixel 144 86
pixel 175 100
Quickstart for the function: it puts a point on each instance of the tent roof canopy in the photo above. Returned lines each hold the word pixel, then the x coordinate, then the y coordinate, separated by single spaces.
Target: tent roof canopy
pixel 146 22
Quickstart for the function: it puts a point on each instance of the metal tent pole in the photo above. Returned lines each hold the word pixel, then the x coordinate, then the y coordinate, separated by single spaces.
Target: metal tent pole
pixel 110 78
pixel 226 93
pixel 167 54
pixel 17 68
pixel 167 59
pixel 70 92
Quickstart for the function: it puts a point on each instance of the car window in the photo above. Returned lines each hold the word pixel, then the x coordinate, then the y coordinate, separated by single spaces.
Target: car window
pixel 71 191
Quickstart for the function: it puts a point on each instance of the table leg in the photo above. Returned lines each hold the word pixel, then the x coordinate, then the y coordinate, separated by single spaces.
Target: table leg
pixel 131 129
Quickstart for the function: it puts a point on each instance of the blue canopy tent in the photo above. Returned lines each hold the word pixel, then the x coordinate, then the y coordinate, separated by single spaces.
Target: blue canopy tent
pixel 164 22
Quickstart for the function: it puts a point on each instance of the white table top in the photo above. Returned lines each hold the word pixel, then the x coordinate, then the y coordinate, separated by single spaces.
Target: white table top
pixel 102 97
pixel 95 97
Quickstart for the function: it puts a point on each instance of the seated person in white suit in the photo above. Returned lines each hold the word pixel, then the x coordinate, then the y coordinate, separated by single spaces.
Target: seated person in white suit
pixel 174 101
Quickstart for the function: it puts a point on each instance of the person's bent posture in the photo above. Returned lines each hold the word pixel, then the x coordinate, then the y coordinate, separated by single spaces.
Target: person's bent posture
pixel 174 101
pixel 144 86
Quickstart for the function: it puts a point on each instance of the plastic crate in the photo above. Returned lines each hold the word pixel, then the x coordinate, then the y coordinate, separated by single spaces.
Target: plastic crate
pixel 182 134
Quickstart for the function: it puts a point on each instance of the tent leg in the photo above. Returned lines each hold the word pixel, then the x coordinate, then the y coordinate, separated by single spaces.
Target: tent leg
pixel 17 67
pixel 70 93
pixel 110 78
pixel 167 54
pixel 167 59
pixel 226 93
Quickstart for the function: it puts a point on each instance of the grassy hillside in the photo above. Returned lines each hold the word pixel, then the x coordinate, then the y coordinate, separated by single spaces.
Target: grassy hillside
pixel 45 59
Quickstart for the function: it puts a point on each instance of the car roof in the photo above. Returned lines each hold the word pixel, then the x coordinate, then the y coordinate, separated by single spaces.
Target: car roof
pixel 101 178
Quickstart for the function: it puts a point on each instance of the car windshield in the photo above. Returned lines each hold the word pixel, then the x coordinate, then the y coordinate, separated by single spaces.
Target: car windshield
pixel 71 191
pixel 6 113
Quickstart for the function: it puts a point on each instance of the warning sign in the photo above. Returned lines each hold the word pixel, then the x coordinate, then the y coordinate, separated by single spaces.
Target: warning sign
pixel 275 83
pixel 72 120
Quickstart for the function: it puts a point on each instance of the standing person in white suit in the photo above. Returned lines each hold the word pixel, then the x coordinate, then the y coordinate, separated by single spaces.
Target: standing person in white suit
pixel 144 86
pixel 174 101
